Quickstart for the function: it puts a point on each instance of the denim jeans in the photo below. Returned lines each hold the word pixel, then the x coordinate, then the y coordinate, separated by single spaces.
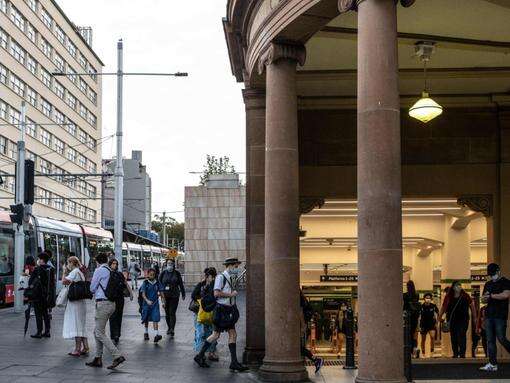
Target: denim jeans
pixel 496 329
pixel 202 332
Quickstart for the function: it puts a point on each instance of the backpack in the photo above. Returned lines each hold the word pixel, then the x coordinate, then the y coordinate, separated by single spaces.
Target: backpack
pixel 140 299
pixel 208 301
pixel 115 288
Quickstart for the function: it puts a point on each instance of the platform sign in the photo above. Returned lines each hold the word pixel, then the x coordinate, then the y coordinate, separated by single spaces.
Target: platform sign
pixel 339 278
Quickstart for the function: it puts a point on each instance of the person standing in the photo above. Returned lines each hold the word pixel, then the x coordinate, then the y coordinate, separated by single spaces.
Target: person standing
pixel 226 314
pixel 456 306
pixel 75 314
pixel 306 315
pixel 151 291
pixel 413 307
pixel 43 294
pixel 134 273
pixel 173 286
pixel 496 293
pixel 480 331
pixel 116 318
pixel 428 322
pixel 101 283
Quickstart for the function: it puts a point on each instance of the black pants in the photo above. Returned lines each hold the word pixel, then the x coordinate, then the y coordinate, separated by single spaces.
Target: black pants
pixel 116 319
pixel 42 314
pixel 458 331
pixel 170 310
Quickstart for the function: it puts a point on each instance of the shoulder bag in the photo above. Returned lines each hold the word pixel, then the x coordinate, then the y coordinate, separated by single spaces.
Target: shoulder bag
pixel 447 324
pixel 79 290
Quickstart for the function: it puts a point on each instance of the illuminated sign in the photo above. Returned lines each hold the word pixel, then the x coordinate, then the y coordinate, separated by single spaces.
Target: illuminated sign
pixel 339 278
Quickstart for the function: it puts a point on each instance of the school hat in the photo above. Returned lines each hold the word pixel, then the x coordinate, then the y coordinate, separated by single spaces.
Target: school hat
pixel 231 261
pixel 492 268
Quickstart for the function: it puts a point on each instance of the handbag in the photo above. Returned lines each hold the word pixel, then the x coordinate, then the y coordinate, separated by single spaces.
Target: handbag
pixel 194 306
pixel 204 317
pixel 225 317
pixel 62 297
pixel 79 290
pixel 447 324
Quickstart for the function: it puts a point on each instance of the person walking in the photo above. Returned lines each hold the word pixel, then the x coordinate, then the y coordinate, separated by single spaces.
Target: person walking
pixel 413 307
pixel 496 294
pixel 151 291
pixel 456 306
pixel 134 273
pixel 428 322
pixel 116 318
pixel 173 286
pixel 42 290
pixel 306 315
pixel 75 314
pixel 103 283
pixel 204 328
pixel 225 315
pixel 480 331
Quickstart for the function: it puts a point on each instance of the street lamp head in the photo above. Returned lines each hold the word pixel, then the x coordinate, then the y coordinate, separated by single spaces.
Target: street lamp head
pixel 181 74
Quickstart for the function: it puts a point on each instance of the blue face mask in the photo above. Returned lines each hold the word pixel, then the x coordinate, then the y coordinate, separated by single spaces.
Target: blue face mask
pixel 234 271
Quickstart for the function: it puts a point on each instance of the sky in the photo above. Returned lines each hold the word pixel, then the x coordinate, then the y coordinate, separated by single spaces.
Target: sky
pixel 175 121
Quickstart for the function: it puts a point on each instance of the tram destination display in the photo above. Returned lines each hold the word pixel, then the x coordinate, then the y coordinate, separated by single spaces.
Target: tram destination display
pixel 339 278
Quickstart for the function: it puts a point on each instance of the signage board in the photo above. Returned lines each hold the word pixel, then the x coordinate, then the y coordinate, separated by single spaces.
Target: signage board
pixel 339 278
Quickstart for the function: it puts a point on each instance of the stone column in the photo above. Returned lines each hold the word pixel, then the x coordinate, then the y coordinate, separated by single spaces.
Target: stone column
pixel 255 104
pixel 379 196
pixel 423 270
pixel 283 361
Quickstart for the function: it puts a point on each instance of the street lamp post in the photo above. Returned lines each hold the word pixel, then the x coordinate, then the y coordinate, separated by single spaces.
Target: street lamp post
pixel 119 169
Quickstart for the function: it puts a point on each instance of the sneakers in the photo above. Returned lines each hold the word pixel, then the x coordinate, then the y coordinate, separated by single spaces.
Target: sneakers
pixel 36 336
pixel 318 363
pixel 116 362
pixel 238 367
pixel 157 338
pixel 200 360
pixel 489 367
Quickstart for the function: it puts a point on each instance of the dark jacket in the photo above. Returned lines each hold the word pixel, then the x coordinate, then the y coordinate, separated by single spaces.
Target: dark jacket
pixel 196 294
pixel 172 284
pixel 46 276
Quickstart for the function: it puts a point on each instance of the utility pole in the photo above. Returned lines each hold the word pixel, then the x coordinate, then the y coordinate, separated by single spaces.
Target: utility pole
pixel 164 228
pixel 19 234
pixel 119 168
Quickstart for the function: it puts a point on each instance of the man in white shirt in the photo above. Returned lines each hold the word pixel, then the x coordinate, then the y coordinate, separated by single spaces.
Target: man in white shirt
pixel 225 315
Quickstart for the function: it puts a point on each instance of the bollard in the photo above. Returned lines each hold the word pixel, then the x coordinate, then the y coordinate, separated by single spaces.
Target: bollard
pixel 350 363
pixel 408 347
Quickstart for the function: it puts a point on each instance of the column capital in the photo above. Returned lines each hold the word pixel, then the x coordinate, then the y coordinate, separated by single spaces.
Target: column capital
pixel 282 51
pixel 254 98
pixel 481 203
pixel 352 5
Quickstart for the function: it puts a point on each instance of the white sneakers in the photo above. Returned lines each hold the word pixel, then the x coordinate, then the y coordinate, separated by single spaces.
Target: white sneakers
pixel 489 367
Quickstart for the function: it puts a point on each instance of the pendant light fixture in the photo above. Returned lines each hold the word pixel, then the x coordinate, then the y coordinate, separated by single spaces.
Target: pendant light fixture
pixel 425 109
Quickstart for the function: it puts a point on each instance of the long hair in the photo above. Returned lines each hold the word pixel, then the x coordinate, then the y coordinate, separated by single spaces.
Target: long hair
pixel 411 289
pixel 74 262
pixel 451 291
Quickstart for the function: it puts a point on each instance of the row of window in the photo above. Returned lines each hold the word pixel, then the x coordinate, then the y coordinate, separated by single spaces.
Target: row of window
pixel 66 205
pixel 19 87
pixel 16 51
pixel 13 116
pixel 8 148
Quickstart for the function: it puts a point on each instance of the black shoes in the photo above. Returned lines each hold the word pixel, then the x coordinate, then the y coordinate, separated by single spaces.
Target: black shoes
pixel 157 338
pixel 171 333
pixel 96 362
pixel 238 367
pixel 145 336
pixel 47 335
pixel 116 362
pixel 36 336
pixel 200 360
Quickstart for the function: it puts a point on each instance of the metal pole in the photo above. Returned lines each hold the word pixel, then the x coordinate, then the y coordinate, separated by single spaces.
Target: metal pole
pixel 119 170
pixel 164 228
pixel 19 235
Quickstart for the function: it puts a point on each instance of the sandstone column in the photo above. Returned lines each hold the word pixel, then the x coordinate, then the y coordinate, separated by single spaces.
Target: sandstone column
pixel 283 361
pixel 379 196
pixel 255 104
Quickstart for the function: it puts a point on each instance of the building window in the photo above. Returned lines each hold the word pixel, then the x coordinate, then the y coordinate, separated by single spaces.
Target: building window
pixel 3 6
pixel 59 62
pixel 92 119
pixel 83 86
pixel 71 154
pixel 31 64
pixel 83 61
pixel 3 38
pixel 31 96
pixel 3 74
pixel 71 48
pixel 72 74
pixel 59 117
pixel 93 73
pixel 92 96
pixel 14 116
pixel 71 100
pixel 17 18
pixel 58 145
pixel 46 77
pixel 91 215
pixel 13 150
pixel 46 18
pixel 32 4
pixel 31 33
pixel 83 111
pixel 58 203
pixel 59 90
pixel 91 143
pixel 17 85
pixel 3 145
pixel 31 129
pixel 44 166
pixel 17 52
pixel 61 36
pixel 3 110
pixel 44 196
pixel 82 161
pixel 46 137
pixel 46 48
pixel 70 207
pixel 91 191
pixel 58 170
pixel 71 128
pixel 46 107
pixel 81 211
pixel 31 156
pixel 82 136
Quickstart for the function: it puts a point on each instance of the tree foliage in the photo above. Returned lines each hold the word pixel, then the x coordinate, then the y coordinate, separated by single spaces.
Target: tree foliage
pixel 216 165
pixel 174 229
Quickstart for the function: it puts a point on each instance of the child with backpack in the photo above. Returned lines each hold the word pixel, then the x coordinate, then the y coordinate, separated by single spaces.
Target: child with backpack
pixel 151 292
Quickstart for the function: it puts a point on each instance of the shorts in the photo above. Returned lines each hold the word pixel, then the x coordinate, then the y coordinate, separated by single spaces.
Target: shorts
pixel 425 328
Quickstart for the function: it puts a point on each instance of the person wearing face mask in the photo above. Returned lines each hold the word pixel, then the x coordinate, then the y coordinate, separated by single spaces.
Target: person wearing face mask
pixel 456 306
pixel 428 321
pixel 496 293
pixel 225 314
pixel 173 286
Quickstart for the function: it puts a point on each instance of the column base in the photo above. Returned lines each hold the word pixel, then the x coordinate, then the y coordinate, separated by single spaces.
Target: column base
pixel 362 380
pixel 283 371
pixel 253 357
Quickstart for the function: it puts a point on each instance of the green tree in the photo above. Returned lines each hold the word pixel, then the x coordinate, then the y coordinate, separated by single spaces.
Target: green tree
pixel 174 229
pixel 216 165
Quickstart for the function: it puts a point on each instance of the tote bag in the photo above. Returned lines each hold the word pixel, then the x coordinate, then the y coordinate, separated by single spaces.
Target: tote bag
pixel 62 297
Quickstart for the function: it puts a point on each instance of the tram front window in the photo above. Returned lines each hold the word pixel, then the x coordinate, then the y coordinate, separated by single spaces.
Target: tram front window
pixel 95 247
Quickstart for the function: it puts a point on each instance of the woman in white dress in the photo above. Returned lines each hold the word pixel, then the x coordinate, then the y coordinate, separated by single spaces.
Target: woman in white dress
pixel 76 311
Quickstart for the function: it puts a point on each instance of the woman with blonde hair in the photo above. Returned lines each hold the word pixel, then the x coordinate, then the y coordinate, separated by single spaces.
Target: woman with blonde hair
pixel 76 311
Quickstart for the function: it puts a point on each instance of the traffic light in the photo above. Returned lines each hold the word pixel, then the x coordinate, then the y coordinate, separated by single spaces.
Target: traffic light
pixel 29 182
pixel 18 212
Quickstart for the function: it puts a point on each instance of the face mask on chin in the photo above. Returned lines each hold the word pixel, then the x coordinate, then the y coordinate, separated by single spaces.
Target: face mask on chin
pixel 170 267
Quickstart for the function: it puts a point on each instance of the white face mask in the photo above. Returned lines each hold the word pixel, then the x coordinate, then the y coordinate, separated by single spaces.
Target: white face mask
pixel 495 277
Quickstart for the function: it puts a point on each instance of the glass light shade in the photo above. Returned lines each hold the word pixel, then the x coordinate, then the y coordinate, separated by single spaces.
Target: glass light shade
pixel 425 109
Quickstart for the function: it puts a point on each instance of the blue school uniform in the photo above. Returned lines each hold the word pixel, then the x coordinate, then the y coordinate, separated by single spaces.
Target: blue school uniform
pixel 151 313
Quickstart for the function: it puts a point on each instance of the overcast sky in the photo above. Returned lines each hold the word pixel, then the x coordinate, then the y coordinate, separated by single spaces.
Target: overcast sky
pixel 174 121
